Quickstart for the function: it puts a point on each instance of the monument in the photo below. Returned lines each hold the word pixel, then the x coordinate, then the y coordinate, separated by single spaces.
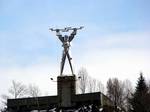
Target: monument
pixel 66 84
pixel 66 45
pixel 66 97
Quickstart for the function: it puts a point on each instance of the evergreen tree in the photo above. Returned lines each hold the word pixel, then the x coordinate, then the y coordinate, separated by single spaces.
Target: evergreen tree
pixel 140 101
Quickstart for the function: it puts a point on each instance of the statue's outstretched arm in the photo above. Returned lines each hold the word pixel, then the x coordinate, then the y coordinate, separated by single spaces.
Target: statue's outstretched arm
pixel 72 34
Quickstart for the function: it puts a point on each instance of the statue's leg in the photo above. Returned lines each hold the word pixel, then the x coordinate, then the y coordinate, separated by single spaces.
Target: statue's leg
pixel 69 59
pixel 62 62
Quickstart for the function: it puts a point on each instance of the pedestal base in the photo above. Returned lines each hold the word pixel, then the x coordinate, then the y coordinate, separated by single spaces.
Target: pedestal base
pixel 66 89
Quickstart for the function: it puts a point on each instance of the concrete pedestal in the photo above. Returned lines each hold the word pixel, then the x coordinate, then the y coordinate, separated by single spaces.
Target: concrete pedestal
pixel 66 89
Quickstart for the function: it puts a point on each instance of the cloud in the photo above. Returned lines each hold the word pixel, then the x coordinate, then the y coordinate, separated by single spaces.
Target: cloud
pixel 38 74
pixel 121 55
pixel 124 40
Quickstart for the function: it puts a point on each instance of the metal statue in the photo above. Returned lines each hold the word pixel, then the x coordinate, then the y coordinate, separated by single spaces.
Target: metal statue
pixel 66 44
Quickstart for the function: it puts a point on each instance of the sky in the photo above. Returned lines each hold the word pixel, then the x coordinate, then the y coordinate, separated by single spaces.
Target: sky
pixel 114 42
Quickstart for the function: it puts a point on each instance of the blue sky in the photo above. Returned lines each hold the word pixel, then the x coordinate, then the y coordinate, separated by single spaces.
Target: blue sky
pixel 114 42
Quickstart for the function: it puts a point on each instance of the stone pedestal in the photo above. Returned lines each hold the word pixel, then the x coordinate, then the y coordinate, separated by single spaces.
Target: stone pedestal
pixel 66 89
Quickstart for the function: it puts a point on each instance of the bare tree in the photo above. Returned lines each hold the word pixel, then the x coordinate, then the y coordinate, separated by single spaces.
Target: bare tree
pixel 91 85
pixel 33 90
pixel 100 87
pixel 17 89
pixel 87 83
pixel 3 104
pixel 4 99
pixel 82 83
pixel 115 90
pixel 95 85
pixel 128 90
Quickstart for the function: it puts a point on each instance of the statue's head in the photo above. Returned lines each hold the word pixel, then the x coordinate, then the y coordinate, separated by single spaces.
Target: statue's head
pixel 66 38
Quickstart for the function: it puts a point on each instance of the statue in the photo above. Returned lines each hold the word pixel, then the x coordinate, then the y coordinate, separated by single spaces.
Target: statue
pixel 66 44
